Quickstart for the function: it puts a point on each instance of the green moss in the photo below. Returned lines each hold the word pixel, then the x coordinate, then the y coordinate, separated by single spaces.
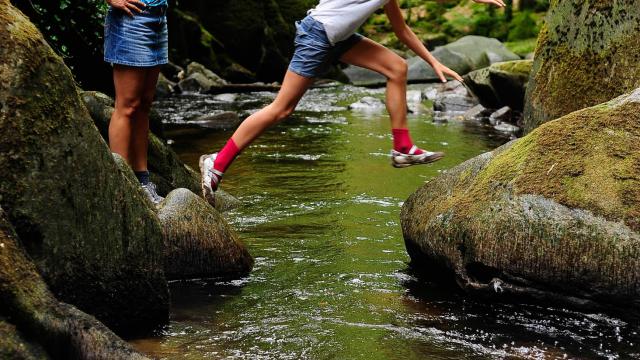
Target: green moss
pixel 522 47
pixel 589 50
pixel 587 160
pixel 521 67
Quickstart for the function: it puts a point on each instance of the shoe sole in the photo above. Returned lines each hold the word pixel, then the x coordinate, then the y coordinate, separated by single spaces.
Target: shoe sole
pixel 431 159
pixel 207 193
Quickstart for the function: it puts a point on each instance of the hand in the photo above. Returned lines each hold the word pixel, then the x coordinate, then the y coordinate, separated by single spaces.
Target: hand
pixel 442 70
pixel 498 3
pixel 127 5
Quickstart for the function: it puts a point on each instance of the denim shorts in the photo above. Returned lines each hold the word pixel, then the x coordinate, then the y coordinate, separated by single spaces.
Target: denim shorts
pixel 141 40
pixel 314 53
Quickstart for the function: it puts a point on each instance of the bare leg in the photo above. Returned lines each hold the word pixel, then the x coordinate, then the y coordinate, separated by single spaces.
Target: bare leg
pixel 129 84
pixel 371 55
pixel 140 132
pixel 293 88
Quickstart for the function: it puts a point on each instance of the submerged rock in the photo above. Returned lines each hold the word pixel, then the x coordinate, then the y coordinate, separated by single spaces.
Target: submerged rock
pixel 501 84
pixel 552 216
pixel 368 104
pixel 453 103
pixel 93 238
pixel 587 53
pixel 222 121
pixel 199 243
pixel 28 310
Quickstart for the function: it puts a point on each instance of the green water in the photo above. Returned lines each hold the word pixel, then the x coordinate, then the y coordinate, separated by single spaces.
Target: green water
pixel 331 281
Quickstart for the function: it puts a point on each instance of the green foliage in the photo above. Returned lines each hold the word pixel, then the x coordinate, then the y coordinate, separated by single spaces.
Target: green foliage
pixel 74 29
pixel 523 26
pixel 66 22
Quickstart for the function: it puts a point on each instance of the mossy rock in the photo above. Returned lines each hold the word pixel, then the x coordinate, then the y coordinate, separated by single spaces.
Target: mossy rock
pixel 554 215
pixel 501 84
pixel 42 327
pixel 168 172
pixel 14 345
pixel 587 53
pixel 199 242
pixel 95 241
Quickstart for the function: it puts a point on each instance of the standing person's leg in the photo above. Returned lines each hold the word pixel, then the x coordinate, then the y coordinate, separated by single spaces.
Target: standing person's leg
pixel 213 166
pixel 371 55
pixel 140 127
pixel 129 85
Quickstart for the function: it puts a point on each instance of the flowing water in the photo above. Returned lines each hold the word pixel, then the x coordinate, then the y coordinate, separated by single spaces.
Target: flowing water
pixel 331 280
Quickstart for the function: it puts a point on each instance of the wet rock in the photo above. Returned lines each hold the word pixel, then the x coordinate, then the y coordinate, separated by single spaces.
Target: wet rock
pixel 226 97
pixel 364 77
pixel 196 83
pixel 482 51
pixel 430 93
pixel 587 53
pixel 551 216
pixel 196 68
pixel 199 243
pixel 222 121
pixel 368 104
pixel 506 128
pixel 28 310
pixel 79 219
pixel 504 114
pixel 476 112
pixel 172 72
pixel 501 84
pixel 238 74
pixel 164 87
pixel 453 102
pixel 420 71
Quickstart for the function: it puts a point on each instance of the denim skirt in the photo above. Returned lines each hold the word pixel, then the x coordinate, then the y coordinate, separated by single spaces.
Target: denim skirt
pixel 314 53
pixel 141 40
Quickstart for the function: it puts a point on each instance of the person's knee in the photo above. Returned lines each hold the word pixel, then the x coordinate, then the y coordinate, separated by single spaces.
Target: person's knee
pixel 130 108
pixel 281 113
pixel 398 70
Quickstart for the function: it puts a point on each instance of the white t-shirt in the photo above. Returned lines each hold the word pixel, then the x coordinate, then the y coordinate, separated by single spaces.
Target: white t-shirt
pixel 341 18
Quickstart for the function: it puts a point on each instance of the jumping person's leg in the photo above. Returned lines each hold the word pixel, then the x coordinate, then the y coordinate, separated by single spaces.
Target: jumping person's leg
pixel 293 88
pixel 368 54
pixel 373 56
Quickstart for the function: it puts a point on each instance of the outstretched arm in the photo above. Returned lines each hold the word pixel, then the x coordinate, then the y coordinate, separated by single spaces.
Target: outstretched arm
pixel 409 38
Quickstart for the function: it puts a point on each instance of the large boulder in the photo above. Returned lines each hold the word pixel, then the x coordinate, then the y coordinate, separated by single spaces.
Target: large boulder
pixel 199 242
pixel 587 53
pixel 462 56
pixel 28 310
pixel 501 84
pixel 553 216
pixel 94 239
pixel 168 172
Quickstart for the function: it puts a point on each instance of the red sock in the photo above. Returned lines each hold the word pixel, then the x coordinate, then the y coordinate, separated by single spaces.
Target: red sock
pixel 225 156
pixel 402 141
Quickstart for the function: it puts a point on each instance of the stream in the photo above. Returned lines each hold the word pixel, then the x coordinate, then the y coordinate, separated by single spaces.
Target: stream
pixel 331 279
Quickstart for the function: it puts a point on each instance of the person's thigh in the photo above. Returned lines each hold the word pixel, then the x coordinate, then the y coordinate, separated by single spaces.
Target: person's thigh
pixel 130 84
pixel 369 54
pixel 150 83
pixel 293 88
